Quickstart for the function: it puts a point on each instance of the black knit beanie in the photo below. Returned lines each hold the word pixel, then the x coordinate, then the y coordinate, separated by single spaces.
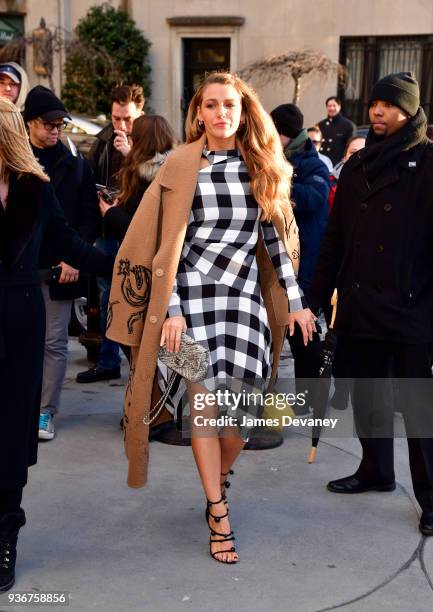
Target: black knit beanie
pixel 288 120
pixel 41 102
pixel 400 89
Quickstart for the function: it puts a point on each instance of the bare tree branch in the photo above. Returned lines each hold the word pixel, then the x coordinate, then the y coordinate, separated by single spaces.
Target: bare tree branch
pixel 295 64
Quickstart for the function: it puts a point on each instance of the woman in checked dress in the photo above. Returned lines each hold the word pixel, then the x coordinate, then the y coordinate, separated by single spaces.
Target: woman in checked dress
pixel 242 183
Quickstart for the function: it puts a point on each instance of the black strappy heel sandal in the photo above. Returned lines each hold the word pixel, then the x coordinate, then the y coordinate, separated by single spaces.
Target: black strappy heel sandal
pixel 225 485
pixel 224 537
pixel 226 482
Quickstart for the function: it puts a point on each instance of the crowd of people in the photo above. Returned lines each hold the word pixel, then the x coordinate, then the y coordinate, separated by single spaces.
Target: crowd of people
pixel 237 238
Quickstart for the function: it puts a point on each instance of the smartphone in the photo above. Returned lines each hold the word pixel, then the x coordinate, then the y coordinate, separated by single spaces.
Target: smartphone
pixel 105 193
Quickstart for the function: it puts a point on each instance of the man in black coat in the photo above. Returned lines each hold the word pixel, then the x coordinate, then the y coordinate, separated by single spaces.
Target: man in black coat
pixel 74 185
pixel 378 252
pixel 336 131
pixel 106 156
pixel 113 142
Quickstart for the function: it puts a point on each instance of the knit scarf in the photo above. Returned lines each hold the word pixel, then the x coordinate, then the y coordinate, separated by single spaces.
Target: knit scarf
pixel 380 151
pixel 297 143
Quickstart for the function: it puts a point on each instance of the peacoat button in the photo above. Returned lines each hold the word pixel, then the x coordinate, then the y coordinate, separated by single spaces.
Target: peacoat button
pixel 364 206
pixel 357 245
pixel 355 285
pixel 153 319
pixel 380 248
pixel 159 272
pixel 387 207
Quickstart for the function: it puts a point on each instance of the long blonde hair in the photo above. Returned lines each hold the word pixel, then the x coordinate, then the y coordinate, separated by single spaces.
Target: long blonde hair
pixel 16 153
pixel 270 173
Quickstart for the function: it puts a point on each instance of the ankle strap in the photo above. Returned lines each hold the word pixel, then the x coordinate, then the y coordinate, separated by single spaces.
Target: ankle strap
pixel 211 503
pixel 231 472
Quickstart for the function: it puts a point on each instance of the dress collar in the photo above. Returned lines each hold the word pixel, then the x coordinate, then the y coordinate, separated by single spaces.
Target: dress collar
pixel 215 157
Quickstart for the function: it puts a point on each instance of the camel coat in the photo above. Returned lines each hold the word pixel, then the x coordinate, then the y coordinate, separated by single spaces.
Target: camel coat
pixel 143 279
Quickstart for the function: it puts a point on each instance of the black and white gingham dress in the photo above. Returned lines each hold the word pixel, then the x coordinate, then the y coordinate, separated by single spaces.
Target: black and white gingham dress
pixel 217 288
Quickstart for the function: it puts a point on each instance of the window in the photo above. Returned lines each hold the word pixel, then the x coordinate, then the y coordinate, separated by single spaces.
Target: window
pixel 367 59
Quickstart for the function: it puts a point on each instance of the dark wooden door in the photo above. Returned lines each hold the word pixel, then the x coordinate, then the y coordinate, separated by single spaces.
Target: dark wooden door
pixel 201 55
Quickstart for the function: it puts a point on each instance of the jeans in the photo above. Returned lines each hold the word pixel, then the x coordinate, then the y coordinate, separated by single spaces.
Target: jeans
pixel 109 353
pixel 58 313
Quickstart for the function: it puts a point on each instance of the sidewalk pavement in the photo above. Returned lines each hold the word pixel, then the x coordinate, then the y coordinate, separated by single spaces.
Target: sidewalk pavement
pixel 301 548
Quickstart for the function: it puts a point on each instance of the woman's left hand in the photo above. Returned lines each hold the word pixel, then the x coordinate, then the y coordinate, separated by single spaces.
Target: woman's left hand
pixel 306 321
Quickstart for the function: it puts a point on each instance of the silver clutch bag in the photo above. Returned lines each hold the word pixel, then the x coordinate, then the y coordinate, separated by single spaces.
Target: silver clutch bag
pixel 191 362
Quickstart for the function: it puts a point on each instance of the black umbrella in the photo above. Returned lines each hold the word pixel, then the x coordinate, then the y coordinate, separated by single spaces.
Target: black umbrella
pixel 323 385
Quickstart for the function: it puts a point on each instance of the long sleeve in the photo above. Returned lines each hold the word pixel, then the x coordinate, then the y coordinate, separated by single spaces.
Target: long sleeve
pixel 116 223
pixel 118 218
pixel 283 266
pixel 90 223
pixel 67 242
pixel 311 193
pixel 174 306
pixel 324 279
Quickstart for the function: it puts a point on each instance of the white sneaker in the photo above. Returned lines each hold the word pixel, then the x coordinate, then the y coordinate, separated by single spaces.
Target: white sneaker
pixel 46 426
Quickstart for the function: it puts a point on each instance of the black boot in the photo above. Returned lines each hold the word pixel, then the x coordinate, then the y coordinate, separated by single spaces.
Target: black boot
pixel 10 524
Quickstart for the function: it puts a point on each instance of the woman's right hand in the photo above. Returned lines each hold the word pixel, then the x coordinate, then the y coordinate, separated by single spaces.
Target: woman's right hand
pixel 171 332
pixel 104 206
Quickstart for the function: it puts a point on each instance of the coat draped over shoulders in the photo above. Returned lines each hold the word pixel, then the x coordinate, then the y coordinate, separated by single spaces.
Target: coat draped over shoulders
pixel 143 279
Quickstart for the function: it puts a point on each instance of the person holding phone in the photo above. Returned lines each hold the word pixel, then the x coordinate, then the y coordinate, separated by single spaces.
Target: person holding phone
pixel 106 158
pixel 152 141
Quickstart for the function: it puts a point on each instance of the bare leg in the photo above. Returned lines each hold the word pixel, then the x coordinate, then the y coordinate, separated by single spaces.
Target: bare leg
pixel 231 446
pixel 206 448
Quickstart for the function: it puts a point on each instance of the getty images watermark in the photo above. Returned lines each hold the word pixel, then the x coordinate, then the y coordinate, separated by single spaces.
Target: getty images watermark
pixel 244 401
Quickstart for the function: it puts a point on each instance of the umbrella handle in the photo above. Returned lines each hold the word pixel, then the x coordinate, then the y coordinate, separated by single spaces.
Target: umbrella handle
pixel 334 301
pixel 312 454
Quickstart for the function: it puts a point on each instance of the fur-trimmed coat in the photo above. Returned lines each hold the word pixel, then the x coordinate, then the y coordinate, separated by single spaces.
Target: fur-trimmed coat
pixel 143 279
pixel 118 218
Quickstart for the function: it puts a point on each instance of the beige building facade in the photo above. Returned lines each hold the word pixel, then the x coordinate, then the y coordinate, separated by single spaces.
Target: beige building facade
pixel 371 36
